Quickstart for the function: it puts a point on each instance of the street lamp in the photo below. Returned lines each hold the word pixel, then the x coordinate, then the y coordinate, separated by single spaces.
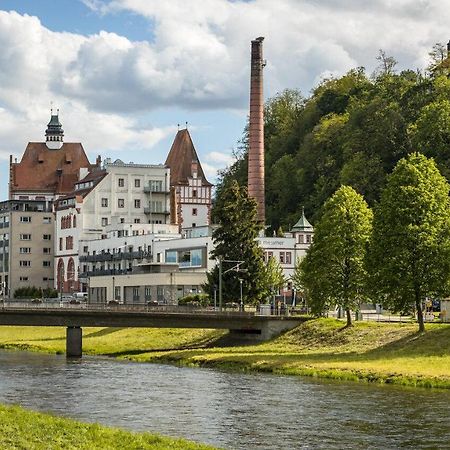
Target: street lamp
pixel 242 303
pixel 235 267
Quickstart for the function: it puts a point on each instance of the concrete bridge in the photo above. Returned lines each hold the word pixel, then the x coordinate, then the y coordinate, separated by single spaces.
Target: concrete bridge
pixel 246 325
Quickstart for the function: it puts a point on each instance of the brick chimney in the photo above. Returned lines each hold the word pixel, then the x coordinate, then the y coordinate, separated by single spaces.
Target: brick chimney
pixel 256 130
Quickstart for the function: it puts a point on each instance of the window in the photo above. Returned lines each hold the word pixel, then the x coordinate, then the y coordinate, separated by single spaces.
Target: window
pixel 47 237
pixel 45 279
pixel 136 293
pixel 104 202
pixel 46 263
pixel 120 203
pixel 194 224
pixel 121 182
pixel 281 257
pixel 122 220
pixel 194 193
pixel 137 220
pixel 69 242
pixel 156 186
pixel 308 239
pixel 47 250
pixel 25 263
pixel 194 211
pixel 300 239
pixel 25 219
pixel 148 293
pixel 269 255
pixel 137 203
pixel 47 220
pixel 137 182
pixel 104 221
pixel 74 221
pixel 25 250
pixel 25 237
pixel 288 258
pixel 60 244
pixel 23 278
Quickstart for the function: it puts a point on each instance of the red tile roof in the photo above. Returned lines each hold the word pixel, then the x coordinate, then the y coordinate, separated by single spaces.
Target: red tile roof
pixel 180 158
pixel 43 169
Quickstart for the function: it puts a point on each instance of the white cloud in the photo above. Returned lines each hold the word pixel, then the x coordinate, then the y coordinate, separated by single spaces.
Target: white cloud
pixel 219 157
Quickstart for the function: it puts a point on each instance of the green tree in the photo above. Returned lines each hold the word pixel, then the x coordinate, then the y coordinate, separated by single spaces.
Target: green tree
pixel 333 269
pixel 273 277
pixel 409 252
pixel 235 240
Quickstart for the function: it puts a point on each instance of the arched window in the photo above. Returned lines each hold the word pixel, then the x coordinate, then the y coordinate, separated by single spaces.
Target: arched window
pixel 60 274
pixel 70 270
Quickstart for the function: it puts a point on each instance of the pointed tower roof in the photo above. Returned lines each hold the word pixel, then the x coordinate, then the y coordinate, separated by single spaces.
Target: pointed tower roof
pixel 302 224
pixel 180 159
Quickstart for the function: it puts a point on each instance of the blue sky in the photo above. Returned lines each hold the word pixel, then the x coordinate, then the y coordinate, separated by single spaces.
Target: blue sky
pixel 124 73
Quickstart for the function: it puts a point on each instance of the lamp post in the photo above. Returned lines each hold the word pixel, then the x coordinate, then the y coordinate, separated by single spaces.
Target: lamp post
pixel 235 267
pixel 113 288
pixel 242 303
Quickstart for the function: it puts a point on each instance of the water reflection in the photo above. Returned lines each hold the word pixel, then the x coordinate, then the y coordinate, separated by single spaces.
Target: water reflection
pixel 236 411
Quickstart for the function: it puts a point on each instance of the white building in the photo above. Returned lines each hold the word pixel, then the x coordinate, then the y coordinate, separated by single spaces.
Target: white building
pixel 117 197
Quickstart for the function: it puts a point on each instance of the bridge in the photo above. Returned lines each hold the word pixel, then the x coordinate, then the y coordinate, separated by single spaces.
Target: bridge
pixel 246 325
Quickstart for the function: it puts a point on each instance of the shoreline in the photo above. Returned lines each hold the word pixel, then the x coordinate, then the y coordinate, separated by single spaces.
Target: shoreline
pixel 321 348
pixel 22 428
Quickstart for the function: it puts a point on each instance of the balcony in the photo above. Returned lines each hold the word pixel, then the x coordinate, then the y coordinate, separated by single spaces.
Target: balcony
pixel 156 211
pixel 115 256
pixel 152 190
pixel 103 272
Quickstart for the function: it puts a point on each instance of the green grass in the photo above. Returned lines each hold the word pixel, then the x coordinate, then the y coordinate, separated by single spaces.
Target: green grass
pixel 22 429
pixel 369 351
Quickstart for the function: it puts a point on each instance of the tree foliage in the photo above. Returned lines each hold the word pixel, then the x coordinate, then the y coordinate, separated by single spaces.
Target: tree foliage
pixel 409 255
pixel 235 240
pixel 333 269
pixel 352 130
pixel 274 278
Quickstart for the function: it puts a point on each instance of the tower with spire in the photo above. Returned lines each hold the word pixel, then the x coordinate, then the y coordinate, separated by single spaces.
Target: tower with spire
pixel 303 231
pixel 54 134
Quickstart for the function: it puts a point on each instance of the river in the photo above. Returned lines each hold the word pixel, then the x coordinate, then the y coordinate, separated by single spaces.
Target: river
pixel 229 410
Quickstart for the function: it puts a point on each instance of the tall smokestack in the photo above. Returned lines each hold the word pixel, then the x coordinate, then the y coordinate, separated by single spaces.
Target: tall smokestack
pixel 256 131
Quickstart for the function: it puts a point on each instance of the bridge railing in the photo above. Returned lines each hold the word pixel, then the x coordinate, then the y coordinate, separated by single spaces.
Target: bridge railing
pixel 174 309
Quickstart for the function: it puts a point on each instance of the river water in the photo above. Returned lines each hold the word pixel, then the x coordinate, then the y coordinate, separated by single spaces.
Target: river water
pixel 229 410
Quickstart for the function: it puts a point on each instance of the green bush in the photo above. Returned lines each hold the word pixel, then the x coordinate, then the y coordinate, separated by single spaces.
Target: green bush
pixel 195 300
pixel 35 292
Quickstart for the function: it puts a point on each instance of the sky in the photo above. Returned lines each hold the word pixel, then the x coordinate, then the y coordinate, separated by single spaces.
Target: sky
pixel 125 73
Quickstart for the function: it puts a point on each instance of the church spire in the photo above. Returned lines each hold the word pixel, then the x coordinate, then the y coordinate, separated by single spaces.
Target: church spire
pixel 54 134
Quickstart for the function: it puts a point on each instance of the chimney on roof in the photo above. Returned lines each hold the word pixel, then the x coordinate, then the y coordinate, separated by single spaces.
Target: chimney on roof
pixel 194 169
pixel 98 161
pixel 256 129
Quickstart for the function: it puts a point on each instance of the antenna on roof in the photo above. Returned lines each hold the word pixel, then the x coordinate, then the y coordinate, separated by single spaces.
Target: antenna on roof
pixel 57 112
pixel 51 107
pixel 186 125
pixel 178 126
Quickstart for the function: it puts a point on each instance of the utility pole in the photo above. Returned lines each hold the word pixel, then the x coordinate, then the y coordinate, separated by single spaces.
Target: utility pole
pixel 220 283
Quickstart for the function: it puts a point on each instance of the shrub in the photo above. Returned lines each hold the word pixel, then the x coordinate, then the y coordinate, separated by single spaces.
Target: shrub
pixel 195 300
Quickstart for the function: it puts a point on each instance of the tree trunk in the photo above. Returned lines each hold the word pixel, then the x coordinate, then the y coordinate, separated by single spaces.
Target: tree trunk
pixel 419 314
pixel 349 318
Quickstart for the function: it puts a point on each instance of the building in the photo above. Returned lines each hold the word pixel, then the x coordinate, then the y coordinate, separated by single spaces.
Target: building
pixel 190 190
pixel 47 171
pixel 115 201
pixel 26 245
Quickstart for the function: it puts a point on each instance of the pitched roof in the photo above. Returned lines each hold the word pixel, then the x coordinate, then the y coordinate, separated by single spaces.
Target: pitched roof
pixel 302 224
pixel 95 176
pixel 180 158
pixel 43 169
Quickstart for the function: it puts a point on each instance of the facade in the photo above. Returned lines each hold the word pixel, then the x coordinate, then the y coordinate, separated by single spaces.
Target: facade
pixel 115 201
pixel 26 245
pixel 176 264
pixel 190 190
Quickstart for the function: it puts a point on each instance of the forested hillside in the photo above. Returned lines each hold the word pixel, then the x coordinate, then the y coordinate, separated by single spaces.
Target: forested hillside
pixel 352 131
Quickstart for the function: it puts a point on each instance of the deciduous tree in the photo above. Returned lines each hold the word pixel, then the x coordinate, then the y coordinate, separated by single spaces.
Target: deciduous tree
pixel 333 269
pixel 409 255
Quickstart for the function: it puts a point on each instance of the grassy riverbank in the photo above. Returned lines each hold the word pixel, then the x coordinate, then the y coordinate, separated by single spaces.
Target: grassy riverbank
pixel 22 429
pixel 376 352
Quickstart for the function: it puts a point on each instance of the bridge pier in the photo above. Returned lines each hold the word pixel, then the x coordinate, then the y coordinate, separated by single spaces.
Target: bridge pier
pixel 74 342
